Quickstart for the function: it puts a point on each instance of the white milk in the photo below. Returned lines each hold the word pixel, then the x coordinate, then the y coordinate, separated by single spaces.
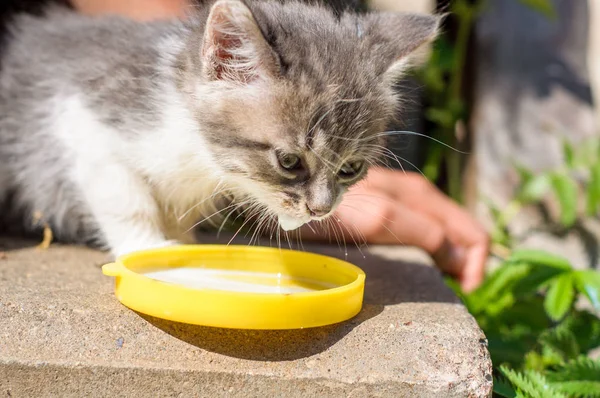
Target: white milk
pixel 238 281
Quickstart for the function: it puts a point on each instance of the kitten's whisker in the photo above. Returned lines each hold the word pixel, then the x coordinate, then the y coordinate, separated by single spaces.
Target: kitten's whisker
pixel 299 238
pixel 361 235
pixel 349 234
pixel 287 237
pixel 400 132
pixel 264 225
pixel 251 214
pixel 259 221
pixel 206 218
pixel 332 225
pixel 397 132
pixel 262 218
pixel 279 238
pixel 398 158
pixel 215 193
pixel 235 208
pixel 252 206
pixel 341 234
pixel 387 198
pixel 394 157
pixel 310 131
pixel 382 224
pixel 325 162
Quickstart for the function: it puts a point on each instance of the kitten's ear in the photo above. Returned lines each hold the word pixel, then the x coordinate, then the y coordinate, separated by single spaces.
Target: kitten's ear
pixel 400 39
pixel 234 48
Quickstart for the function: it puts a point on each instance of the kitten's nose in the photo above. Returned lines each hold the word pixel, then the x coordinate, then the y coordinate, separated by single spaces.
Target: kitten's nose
pixel 318 211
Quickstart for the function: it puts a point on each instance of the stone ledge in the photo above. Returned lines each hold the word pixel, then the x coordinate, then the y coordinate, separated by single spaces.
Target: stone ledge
pixel 63 333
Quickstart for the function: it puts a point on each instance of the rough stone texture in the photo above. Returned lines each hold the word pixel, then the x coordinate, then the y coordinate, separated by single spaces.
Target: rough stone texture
pixel 63 333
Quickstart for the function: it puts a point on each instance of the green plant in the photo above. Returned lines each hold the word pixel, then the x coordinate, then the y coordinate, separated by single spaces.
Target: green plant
pixel 538 339
pixel 575 187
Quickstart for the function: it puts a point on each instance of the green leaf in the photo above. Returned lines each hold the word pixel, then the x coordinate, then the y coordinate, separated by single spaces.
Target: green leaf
pixel 578 333
pixel 539 276
pixel 507 349
pixel 433 162
pixel 548 390
pixel 540 257
pixel 577 378
pixel 535 188
pixel 441 116
pixel 576 389
pixel 588 152
pixel 593 190
pixel 524 174
pixel 520 381
pixel 565 190
pixel 503 387
pixel 495 286
pixel 531 384
pixel 588 283
pixel 560 296
pixel 580 368
pixel 559 344
pixel 568 154
pixel 527 313
pixel 544 7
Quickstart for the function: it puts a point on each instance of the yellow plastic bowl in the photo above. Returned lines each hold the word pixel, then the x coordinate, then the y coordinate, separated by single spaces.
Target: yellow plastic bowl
pixel 294 289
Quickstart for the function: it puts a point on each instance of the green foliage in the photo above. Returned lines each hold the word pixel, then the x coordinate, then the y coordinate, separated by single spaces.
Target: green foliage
pixel 593 191
pixel 560 296
pixel 503 387
pixel 538 340
pixel 577 378
pixel 566 193
pixel 573 186
pixel 588 283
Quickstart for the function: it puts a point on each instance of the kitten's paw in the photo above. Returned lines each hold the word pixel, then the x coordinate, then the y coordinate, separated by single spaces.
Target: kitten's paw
pixel 120 251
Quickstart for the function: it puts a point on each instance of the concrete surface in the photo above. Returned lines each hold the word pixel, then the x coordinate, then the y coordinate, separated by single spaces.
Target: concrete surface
pixel 63 333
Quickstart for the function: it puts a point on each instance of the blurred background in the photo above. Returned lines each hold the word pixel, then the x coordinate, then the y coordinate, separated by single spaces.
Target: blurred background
pixel 510 87
pixel 512 83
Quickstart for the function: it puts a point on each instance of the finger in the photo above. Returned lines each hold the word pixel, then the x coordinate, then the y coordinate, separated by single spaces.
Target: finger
pixel 474 269
pixel 418 193
pixel 461 228
pixel 382 222
pixel 143 10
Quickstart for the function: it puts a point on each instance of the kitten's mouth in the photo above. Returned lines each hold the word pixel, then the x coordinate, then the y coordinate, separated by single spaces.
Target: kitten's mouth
pixel 288 223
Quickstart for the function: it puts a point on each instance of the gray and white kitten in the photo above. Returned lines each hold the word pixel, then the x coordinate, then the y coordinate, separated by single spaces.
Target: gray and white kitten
pixel 129 133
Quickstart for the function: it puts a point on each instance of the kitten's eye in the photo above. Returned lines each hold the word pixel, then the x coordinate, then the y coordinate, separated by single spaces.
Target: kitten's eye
pixel 351 169
pixel 289 161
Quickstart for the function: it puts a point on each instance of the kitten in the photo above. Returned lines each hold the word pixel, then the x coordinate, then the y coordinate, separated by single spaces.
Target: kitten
pixel 129 133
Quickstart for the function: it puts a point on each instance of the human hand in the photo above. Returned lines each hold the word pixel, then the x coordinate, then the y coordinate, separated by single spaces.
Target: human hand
pixel 143 10
pixel 393 207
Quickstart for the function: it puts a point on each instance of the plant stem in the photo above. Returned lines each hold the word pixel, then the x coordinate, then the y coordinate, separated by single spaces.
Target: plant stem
pixel 466 14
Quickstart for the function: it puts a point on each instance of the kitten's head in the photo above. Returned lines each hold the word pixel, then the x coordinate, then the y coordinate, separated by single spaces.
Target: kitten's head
pixel 293 100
